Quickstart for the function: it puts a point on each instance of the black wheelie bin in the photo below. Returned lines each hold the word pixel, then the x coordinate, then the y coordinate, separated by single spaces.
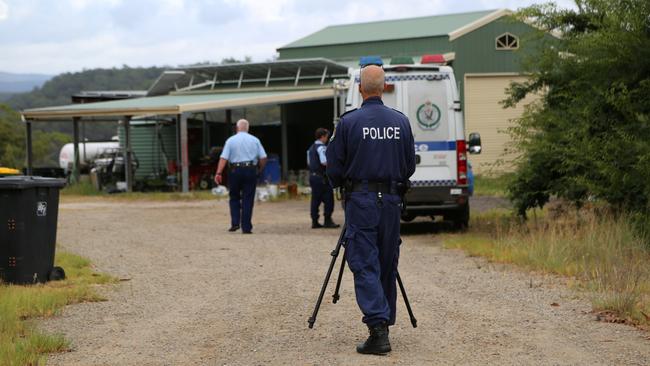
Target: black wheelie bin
pixel 28 217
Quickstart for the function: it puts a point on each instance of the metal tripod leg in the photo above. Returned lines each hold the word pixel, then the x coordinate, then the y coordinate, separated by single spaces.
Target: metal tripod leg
pixel 336 296
pixel 414 321
pixel 334 254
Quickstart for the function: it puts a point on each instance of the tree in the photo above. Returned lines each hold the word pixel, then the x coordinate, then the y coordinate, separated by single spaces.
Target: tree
pixel 588 135
pixel 46 145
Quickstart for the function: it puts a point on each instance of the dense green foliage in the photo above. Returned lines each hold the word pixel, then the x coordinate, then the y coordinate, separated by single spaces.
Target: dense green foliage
pixel 46 145
pixel 588 135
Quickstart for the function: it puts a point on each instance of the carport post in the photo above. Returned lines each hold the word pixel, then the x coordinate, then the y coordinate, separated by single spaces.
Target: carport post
pixel 336 107
pixel 75 138
pixel 205 134
pixel 30 158
pixel 127 154
pixel 285 148
pixel 228 123
pixel 177 126
pixel 184 154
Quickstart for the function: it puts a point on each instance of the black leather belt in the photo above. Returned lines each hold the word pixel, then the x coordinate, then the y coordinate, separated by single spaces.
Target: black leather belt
pixel 379 187
pixel 317 174
pixel 243 164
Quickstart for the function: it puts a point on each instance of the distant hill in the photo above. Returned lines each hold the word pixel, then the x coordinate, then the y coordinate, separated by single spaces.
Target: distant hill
pixel 20 83
pixel 57 90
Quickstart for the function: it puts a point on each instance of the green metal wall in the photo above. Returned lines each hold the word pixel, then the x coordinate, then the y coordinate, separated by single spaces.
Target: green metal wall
pixel 147 148
pixel 476 51
pixel 411 47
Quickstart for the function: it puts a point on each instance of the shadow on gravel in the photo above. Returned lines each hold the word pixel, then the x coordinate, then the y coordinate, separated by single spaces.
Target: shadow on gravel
pixel 426 227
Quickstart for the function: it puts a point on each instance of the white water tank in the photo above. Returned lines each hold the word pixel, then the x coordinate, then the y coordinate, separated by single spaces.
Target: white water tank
pixel 88 151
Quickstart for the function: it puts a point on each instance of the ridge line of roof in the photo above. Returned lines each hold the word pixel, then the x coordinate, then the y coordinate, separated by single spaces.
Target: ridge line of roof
pixel 488 12
pixel 478 23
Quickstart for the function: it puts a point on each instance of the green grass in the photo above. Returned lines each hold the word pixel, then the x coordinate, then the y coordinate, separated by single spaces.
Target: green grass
pixel 603 252
pixel 85 189
pixel 21 343
pixel 81 189
pixel 491 185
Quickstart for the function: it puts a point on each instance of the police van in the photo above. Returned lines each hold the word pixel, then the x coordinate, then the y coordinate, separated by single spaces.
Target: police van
pixel 428 95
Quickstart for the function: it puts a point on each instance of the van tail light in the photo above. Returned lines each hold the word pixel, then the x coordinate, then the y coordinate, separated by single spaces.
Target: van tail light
pixel 461 161
pixel 433 59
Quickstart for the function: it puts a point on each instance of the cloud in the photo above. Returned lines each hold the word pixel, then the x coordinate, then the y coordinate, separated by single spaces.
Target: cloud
pixel 68 35
pixel 4 10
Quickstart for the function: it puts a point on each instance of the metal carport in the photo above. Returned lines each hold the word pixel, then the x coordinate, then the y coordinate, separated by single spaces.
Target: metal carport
pixel 181 106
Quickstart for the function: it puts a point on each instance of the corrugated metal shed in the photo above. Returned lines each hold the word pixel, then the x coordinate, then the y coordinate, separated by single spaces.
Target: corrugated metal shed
pixel 476 51
pixel 429 26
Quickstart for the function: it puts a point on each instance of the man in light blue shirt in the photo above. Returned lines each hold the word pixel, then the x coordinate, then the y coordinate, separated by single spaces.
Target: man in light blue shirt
pixel 246 158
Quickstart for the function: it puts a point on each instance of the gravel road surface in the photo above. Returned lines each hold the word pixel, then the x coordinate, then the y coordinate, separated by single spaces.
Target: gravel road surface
pixel 198 295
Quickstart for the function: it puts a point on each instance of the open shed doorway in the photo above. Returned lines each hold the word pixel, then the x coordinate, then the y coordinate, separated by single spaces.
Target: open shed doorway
pixel 302 121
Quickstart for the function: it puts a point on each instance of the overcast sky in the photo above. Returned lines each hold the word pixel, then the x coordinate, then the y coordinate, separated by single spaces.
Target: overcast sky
pixel 54 36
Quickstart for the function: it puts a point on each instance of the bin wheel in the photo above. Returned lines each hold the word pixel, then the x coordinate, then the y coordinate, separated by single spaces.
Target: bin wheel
pixel 57 274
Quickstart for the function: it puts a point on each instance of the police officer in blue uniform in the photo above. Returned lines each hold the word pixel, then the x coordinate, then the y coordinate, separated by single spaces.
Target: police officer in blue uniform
pixel 372 154
pixel 245 157
pixel 321 190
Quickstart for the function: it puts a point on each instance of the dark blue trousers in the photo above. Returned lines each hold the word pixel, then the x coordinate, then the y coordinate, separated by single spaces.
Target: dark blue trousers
pixel 321 191
pixel 372 253
pixel 242 183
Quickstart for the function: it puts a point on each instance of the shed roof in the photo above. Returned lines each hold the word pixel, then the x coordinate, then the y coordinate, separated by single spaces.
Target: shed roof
pixel 313 70
pixel 429 26
pixel 179 103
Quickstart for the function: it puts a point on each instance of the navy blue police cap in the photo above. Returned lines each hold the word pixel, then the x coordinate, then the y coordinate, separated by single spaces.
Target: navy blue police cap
pixel 370 60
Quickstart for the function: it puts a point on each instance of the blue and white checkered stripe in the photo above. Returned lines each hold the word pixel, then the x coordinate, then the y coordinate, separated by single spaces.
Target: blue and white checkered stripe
pixel 429 77
pixel 433 183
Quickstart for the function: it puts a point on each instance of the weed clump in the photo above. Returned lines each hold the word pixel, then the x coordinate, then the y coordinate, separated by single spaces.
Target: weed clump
pixel 20 342
pixel 604 251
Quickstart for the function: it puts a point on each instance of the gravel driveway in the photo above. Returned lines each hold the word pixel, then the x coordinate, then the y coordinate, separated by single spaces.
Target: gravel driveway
pixel 198 295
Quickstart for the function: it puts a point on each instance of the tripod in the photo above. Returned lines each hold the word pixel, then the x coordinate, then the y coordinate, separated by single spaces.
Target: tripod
pixel 335 297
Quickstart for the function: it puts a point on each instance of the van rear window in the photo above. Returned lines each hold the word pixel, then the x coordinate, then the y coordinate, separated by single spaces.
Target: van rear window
pixel 405 68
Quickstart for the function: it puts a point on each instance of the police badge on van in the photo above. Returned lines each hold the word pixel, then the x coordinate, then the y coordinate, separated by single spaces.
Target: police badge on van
pixel 428 116
pixel 41 209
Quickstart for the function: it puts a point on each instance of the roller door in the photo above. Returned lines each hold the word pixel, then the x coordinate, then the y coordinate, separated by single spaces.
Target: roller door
pixel 484 114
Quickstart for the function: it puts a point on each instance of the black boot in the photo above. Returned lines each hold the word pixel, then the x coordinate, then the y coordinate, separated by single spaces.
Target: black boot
pixel 315 224
pixel 377 343
pixel 330 224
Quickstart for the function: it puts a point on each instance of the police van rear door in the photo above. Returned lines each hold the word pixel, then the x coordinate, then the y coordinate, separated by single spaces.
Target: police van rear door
pixel 428 103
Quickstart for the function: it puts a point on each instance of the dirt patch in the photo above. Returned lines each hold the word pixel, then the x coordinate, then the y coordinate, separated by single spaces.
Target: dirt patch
pixel 198 295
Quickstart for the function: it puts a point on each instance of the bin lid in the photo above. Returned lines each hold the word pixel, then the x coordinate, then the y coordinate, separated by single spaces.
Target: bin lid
pixel 24 182
pixel 8 171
